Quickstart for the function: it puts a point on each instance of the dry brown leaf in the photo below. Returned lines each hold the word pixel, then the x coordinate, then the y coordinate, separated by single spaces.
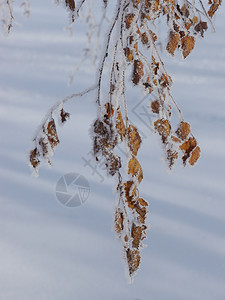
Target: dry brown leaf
pixel 175 139
pixel 129 54
pixel 34 158
pixel 109 112
pixel 176 27
pixel 195 19
pixel 183 130
pixel 147 85
pixel 119 221
pixel 187 147
pixel 102 144
pixel 130 193
pixel 155 106
pixel 113 163
pixel 136 233
pixel 185 11
pixel 163 128
pixel 195 154
pixel 136 47
pixel 214 6
pixel 120 124
pixel 153 35
pixel 100 128
pixel 156 5
pixel 144 38
pixel 173 42
pixel 155 82
pixel 165 80
pixel 126 239
pixel 101 138
pixel 138 205
pixel 148 4
pixel 141 211
pixel 187 43
pixel 134 139
pixel 44 146
pixel 138 71
pixel 135 169
pixel 52 134
pixel 155 65
pixel 188 25
pixel 64 115
pixel 133 260
pixel 128 20
pixel 142 202
pixel 181 33
pixel 201 27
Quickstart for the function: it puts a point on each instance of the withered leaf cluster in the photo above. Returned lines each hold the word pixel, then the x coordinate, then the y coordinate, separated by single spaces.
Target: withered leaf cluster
pixel 182 141
pixel 105 140
pixel 46 140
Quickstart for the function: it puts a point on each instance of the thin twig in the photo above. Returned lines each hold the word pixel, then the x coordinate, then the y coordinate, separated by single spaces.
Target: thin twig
pixel 79 5
pixel 60 103
pixel 106 52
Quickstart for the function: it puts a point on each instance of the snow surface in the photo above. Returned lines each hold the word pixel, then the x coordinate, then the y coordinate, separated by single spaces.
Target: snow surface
pixel 51 252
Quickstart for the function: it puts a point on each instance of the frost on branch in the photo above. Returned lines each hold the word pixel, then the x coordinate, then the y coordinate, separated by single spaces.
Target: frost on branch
pixel 131 53
pixel 6 10
pixel 7 16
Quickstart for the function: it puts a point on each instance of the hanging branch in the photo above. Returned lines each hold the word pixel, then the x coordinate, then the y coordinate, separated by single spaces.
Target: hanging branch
pixel 135 46
pixel 131 46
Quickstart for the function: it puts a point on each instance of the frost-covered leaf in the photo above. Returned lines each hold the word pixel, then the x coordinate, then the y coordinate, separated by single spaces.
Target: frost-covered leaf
pixel 135 169
pixel 174 38
pixel 143 202
pixel 64 116
pixel 128 20
pixel 195 154
pixel 34 158
pixel 183 130
pixel 130 193
pixel 187 43
pixel 52 134
pixel 155 105
pixel 163 127
pixel 214 6
pixel 119 220
pixel 133 259
pixel 129 54
pixel 201 27
pixel 134 139
pixel 172 155
pixel 136 233
pixel 187 147
pixel 138 71
pixel 120 124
